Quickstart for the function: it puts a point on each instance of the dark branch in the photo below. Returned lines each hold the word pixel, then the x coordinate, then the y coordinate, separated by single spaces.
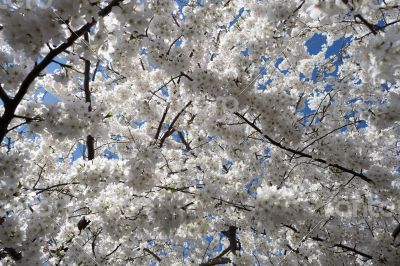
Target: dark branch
pixel 95 235
pixel 88 98
pixel 216 261
pixel 184 141
pixel 172 44
pixel 15 255
pixel 171 129
pixel 227 3
pixel 380 28
pixel 90 147
pixel 396 231
pixel 113 251
pixel 95 70
pixel 87 78
pixel 10 108
pixel 161 122
pixel 300 6
pixel 176 22
pixel 347 248
pixel 152 253
pixel 318 239
pixel 370 26
pixel 302 154
pixel 66 66
pixel 234 245
pixel 50 188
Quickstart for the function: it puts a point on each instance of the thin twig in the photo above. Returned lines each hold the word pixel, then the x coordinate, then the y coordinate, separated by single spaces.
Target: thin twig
pixel 171 129
pixel 152 253
pixel 161 122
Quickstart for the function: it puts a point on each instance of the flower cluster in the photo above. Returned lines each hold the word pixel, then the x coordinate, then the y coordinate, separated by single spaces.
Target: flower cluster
pixel 199 132
pixel 70 120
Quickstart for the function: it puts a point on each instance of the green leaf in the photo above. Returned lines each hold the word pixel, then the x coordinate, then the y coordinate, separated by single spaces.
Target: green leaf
pixel 108 115
pixel 58 252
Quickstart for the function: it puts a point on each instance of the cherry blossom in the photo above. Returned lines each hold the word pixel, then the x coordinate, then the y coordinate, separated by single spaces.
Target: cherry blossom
pixel 199 132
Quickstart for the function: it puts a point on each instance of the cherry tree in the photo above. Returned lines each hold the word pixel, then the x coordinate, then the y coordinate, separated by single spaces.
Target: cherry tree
pixel 231 142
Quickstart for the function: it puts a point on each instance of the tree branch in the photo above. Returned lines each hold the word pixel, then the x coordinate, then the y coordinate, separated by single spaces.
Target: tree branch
pixel 95 70
pixel 234 245
pixel 347 248
pixel 171 129
pixel 152 253
pixel 113 251
pixel 41 190
pixel 184 141
pixel 9 111
pixel 370 26
pixel 396 231
pixel 216 261
pixel 170 47
pixel 88 94
pixel 87 78
pixel 66 66
pixel 340 245
pixel 95 235
pixel 161 122
pixel 298 8
pixel 302 154
pixel 15 255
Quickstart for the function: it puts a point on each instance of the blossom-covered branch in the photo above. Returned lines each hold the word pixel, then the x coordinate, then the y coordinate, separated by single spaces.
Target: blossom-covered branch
pixel 8 115
pixel 303 154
